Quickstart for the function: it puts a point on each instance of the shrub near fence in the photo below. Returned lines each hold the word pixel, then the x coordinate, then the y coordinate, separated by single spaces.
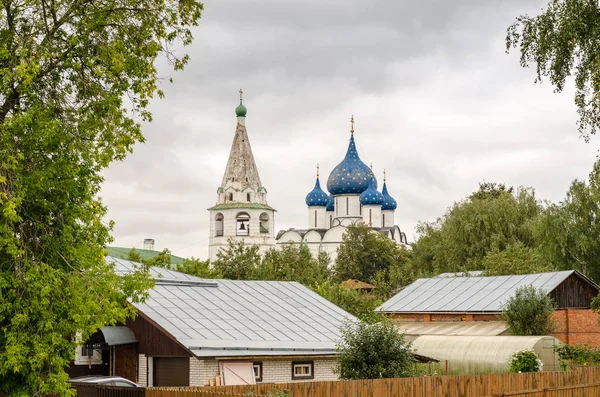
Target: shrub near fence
pixel 437 386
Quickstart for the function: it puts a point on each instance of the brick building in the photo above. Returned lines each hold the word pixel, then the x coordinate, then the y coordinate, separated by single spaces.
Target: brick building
pixel 471 305
pixel 191 330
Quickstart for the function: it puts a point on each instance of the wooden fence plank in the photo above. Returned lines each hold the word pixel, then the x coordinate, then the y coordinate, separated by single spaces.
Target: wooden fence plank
pixel 577 383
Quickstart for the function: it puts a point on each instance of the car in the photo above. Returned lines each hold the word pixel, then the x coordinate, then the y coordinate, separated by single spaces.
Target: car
pixel 104 380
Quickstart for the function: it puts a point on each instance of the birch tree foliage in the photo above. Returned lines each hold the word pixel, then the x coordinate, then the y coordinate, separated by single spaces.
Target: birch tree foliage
pixel 76 78
pixel 562 42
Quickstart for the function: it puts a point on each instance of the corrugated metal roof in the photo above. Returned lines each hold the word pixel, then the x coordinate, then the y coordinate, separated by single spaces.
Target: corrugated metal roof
pixel 455 328
pixel 241 317
pixel 472 273
pixel 467 294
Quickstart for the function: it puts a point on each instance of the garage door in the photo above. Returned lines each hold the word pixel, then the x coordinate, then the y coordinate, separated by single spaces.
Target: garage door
pixel 171 371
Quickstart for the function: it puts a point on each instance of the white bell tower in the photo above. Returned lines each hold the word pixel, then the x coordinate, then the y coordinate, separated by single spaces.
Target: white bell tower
pixel 241 212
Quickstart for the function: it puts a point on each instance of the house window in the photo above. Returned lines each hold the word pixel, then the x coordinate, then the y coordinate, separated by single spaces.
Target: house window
pixel 264 223
pixel 247 196
pixel 242 224
pixel 303 370
pixel 258 371
pixel 219 225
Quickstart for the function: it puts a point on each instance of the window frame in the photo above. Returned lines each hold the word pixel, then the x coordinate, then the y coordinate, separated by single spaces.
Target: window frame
pixel 311 365
pixel 260 370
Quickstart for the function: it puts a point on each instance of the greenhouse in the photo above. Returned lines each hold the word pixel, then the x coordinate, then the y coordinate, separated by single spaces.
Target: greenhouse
pixel 484 354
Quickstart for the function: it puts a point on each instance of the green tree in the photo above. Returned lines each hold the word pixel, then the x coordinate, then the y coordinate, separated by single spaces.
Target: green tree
pixel 371 351
pixel 162 259
pixel 363 253
pixel 515 259
pixel 76 79
pixel 564 41
pixel 489 220
pixel 355 302
pixel 568 231
pixel 293 262
pixel 237 261
pixel 134 256
pixel 198 268
pixel 529 312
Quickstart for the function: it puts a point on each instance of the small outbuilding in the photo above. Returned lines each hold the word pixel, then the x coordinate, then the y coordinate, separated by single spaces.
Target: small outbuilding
pixel 427 306
pixel 485 354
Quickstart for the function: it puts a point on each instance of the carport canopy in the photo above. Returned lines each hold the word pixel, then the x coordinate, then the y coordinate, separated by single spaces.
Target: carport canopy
pixel 118 335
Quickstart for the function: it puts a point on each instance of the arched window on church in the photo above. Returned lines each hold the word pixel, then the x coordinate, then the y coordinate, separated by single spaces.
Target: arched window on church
pixel 230 196
pixel 242 224
pixel 219 224
pixel 264 223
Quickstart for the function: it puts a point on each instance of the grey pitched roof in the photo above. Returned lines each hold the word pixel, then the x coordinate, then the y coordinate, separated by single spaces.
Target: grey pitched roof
pixel 472 273
pixel 237 318
pixel 467 294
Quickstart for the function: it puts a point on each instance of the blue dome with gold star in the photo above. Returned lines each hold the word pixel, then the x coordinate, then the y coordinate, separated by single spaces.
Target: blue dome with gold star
pixel 389 203
pixel 371 196
pixel 351 176
pixel 317 197
pixel 330 204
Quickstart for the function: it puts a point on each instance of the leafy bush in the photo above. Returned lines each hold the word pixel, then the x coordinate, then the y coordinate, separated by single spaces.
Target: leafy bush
pixel 524 361
pixel 370 351
pixel 578 355
pixel 529 312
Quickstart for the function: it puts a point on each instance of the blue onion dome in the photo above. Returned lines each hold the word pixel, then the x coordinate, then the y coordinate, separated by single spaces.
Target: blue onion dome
pixel 371 196
pixel 330 204
pixel 351 176
pixel 388 201
pixel 317 197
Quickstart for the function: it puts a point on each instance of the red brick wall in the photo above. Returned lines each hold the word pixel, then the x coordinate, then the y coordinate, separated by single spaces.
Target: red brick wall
pixel 577 326
pixel 581 328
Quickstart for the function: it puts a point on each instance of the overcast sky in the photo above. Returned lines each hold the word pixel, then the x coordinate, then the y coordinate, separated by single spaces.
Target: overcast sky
pixel 437 103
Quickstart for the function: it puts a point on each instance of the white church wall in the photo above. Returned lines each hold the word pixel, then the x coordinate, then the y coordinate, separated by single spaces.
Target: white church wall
pixel 317 218
pixel 347 206
pixel 290 236
pixel 312 237
pixel 372 215
pixel 387 218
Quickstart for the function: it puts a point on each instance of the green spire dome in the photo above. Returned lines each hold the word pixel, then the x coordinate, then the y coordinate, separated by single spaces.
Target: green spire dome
pixel 241 111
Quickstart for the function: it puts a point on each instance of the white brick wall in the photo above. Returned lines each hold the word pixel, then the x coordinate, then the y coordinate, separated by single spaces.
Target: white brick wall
pixel 202 370
pixel 274 371
pixel 142 370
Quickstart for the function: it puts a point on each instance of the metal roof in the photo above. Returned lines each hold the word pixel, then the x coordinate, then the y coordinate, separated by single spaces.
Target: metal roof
pixel 454 328
pixel 118 335
pixel 239 318
pixel 472 273
pixel 467 294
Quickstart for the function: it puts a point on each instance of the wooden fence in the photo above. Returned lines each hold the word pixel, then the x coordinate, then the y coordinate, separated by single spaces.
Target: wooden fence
pixel 92 390
pixel 592 390
pixel 573 383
